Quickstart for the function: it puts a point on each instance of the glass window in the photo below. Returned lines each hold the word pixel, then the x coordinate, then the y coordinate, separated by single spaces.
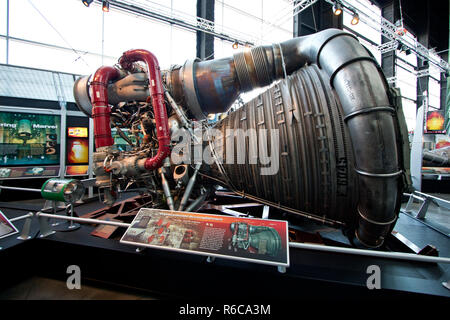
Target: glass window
pixel 218 15
pixel 136 33
pixel 2 50
pixel 233 20
pixel 62 23
pixel 3 17
pixel 82 31
pixel 406 80
pixel 258 21
pixel 434 87
pixel 185 6
pixel 53 59
pixel 183 46
pixel 409 110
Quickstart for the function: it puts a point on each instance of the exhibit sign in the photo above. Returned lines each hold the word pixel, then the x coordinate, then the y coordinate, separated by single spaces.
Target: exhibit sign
pixel 77 170
pixel 77 151
pixel 28 139
pixel 435 122
pixel 248 239
pixel 6 227
pixel 77 132
pixel 28 172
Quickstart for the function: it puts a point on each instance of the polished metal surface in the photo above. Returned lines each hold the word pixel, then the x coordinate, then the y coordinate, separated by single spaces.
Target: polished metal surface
pixel 81 94
pixel 335 74
pixel 189 81
pixel 316 171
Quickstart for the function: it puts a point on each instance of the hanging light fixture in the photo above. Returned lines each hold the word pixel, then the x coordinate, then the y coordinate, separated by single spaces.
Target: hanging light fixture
pixel 355 18
pixel 105 6
pixel 235 45
pixel 87 2
pixel 337 8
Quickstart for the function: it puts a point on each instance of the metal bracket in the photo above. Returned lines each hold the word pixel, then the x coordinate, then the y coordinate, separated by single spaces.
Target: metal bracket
pixel 281 269
pixel 446 284
pixel 426 200
pixel 25 234
pixel 44 227
pixel 423 208
pixel 265 214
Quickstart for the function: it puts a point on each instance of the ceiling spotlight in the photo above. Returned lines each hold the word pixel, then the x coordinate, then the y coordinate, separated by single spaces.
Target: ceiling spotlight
pixel 87 2
pixel 235 45
pixel 404 48
pixel 337 8
pixel 355 19
pixel 105 6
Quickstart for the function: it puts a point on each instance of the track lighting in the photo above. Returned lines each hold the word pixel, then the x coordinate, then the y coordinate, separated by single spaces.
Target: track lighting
pixel 235 45
pixel 105 6
pixel 355 19
pixel 337 8
pixel 404 48
pixel 87 2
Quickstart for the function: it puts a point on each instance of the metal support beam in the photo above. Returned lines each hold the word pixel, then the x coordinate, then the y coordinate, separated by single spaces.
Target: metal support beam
pixel 7 31
pixel 25 234
pixel 422 82
pixel 63 105
pixel 205 41
pixel 422 63
pixel 444 90
pixel 370 253
pixel 91 157
pixel 390 12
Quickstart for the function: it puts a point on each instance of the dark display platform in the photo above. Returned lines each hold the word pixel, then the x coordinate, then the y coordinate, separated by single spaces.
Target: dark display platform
pixel 315 275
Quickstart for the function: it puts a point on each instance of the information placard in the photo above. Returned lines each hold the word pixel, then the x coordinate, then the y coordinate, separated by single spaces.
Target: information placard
pixel 28 172
pixel 28 139
pixel 249 239
pixel 6 227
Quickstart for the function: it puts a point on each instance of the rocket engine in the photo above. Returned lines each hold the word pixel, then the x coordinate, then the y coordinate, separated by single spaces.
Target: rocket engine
pixel 324 141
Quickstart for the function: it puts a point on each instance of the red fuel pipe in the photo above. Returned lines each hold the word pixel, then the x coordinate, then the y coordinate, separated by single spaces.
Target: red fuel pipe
pixel 157 96
pixel 101 110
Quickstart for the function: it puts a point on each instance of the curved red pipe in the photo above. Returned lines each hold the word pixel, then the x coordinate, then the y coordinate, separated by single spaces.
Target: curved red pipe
pixel 101 110
pixel 157 96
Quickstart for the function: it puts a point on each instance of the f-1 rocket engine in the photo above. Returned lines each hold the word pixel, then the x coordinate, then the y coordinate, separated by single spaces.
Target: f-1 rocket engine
pixel 324 141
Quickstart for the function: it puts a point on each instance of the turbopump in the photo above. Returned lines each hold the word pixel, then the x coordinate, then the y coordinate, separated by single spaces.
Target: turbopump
pixel 324 141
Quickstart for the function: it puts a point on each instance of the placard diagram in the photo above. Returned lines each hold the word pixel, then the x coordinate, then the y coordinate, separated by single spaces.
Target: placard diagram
pixel 248 239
